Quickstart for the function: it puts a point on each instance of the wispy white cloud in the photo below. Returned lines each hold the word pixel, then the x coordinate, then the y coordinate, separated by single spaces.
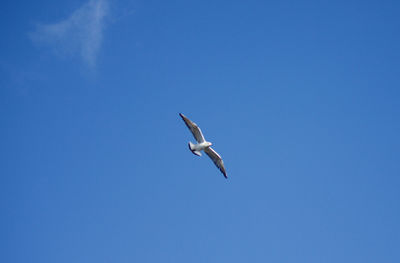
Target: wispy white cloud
pixel 81 33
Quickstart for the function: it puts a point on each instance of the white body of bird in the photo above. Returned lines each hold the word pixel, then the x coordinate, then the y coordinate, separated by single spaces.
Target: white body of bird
pixel 198 147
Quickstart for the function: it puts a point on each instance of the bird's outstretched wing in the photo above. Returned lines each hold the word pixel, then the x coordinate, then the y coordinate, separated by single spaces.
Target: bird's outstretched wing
pixel 193 128
pixel 216 159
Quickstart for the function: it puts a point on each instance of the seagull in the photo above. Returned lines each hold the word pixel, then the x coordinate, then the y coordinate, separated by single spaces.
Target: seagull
pixel 203 145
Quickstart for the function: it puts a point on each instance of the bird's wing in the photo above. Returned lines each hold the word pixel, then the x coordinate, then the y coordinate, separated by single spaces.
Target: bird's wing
pixel 193 128
pixel 216 159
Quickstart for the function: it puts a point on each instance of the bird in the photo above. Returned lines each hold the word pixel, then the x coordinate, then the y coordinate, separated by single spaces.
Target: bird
pixel 203 145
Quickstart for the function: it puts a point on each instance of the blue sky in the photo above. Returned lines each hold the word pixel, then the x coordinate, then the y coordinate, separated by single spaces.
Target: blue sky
pixel 301 99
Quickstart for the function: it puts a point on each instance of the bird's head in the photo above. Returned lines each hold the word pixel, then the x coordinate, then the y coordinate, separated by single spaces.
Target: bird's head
pixel 209 143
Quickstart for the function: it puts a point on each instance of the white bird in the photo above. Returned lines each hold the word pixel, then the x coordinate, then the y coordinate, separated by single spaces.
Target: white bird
pixel 203 145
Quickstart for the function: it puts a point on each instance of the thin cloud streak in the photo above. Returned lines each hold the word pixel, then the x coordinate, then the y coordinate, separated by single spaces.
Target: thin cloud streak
pixel 81 33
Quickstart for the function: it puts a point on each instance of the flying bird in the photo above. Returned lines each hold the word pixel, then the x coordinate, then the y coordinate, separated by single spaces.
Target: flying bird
pixel 203 145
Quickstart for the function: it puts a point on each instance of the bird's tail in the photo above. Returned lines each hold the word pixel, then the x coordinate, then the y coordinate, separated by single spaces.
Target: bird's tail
pixel 192 149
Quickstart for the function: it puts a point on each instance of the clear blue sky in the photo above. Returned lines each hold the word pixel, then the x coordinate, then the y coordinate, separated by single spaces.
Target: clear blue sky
pixel 301 99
